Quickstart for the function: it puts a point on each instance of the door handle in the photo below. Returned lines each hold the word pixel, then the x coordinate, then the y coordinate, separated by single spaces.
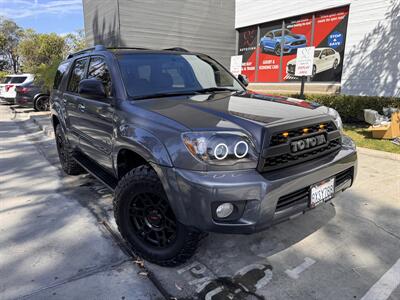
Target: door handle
pixel 81 107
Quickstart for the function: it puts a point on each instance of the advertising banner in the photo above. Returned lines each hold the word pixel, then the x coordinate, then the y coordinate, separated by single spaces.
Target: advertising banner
pixel 297 35
pixel 269 52
pixel 329 40
pixel 247 49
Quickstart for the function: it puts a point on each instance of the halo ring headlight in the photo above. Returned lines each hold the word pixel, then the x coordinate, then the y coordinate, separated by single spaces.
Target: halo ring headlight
pixel 224 150
pixel 236 148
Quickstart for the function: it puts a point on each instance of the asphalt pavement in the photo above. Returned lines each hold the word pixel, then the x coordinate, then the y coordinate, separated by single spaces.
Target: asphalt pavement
pixel 54 242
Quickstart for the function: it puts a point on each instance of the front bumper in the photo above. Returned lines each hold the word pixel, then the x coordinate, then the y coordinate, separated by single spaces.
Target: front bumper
pixel 287 48
pixel 194 195
pixel 8 100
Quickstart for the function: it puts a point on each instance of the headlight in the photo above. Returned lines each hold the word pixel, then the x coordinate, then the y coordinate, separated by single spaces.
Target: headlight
pixel 221 148
pixel 336 117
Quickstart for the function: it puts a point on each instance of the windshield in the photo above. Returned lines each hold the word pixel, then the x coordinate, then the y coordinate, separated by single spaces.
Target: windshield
pixel 316 53
pixel 278 33
pixel 147 74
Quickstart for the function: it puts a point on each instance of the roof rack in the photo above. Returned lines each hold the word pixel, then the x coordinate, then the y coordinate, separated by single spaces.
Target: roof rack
pixel 87 50
pixel 176 49
pixel 127 48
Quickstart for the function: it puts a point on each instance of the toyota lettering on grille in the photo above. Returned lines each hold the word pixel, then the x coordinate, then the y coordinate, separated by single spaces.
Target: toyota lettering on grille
pixel 307 143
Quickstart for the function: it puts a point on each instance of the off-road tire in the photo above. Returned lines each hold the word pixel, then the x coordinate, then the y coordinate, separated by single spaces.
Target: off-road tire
pixel 68 164
pixel 140 181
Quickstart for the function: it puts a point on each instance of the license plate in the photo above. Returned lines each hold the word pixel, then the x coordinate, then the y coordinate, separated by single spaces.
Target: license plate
pixel 322 192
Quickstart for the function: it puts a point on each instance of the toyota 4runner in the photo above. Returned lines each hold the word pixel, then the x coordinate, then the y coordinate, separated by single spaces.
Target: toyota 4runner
pixel 187 149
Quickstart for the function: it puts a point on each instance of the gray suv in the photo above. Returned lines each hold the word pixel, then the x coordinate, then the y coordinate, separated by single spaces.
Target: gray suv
pixel 187 149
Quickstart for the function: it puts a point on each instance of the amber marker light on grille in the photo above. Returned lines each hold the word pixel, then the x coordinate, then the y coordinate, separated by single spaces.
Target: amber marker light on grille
pixel 305 130
pixel 285 134
pixel 321 126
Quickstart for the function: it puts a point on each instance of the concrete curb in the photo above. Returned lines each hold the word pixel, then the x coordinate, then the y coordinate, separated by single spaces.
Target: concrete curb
pixel 44 125
pixel 378 153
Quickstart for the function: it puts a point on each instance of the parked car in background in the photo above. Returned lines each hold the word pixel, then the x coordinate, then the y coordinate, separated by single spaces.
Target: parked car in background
pixel 30 94
pixel 10 82
pixel 324 59
pixel 271 41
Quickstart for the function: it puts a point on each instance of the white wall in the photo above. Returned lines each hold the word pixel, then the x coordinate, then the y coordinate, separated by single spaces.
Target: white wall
pixel 372 53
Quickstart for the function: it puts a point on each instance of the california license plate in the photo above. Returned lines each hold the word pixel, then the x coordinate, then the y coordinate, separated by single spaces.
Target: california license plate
pixel 322 192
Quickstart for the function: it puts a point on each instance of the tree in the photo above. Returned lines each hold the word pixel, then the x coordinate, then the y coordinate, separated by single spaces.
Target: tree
pixel 41 53
pixel 75 41
pixel 10 36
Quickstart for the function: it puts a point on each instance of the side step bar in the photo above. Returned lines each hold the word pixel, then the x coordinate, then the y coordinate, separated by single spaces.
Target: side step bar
pixel 96 171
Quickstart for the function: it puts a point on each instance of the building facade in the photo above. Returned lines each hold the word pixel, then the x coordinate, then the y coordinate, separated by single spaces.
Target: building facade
pixel 206 26
pixel 356 41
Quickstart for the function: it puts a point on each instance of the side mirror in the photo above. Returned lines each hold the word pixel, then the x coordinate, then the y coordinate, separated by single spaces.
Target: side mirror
pixel 243 79
pixel 323 55
pixel 92 88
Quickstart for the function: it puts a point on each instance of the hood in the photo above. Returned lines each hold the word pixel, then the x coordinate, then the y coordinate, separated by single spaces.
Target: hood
pixel 245 110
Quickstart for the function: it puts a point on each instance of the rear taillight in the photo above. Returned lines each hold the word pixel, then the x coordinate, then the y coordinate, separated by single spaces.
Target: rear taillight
pixel 21 90
pixel 8 87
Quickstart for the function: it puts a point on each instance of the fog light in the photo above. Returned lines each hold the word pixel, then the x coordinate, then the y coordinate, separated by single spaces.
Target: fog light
pixel 224 210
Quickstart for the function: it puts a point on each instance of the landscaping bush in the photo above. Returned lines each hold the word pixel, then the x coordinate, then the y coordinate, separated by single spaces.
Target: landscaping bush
pixel 350 107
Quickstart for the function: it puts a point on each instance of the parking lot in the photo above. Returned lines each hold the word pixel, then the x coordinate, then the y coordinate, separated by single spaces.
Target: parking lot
pixel 58 238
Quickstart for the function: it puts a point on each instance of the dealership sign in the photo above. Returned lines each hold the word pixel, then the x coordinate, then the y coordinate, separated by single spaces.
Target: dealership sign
pixel 236 64
pixel 304 61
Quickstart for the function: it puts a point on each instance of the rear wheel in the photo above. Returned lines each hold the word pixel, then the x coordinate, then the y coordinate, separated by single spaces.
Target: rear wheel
pixel 41 103
pixel 68 164
pixel 146 220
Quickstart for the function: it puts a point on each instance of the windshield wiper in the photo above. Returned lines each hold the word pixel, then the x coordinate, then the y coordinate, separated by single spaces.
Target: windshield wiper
pixel 215 89
pixel 161 95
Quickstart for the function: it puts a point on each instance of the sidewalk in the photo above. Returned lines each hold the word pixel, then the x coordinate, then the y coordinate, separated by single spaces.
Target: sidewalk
pixel 50 245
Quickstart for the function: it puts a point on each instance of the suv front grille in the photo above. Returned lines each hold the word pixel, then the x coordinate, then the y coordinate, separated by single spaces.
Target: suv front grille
pixel 278 138
pixel 278 153
pixel 301 196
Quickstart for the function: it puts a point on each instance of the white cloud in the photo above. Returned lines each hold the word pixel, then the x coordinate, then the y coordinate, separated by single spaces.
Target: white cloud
pixel 17 9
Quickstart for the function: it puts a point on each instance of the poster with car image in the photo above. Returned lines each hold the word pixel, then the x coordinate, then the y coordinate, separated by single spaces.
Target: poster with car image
pixel 247 48
pixel 329 41
pixel 269 52
pixel 297 35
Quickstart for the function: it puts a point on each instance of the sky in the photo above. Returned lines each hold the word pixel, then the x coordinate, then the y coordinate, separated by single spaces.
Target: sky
pixel 44 16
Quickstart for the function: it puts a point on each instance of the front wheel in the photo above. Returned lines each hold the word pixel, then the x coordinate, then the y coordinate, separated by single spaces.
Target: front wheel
pixel 146 220
pixel 335 64
pixel 277 49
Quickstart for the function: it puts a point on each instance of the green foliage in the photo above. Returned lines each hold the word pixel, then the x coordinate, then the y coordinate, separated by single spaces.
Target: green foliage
pixel 350 107
pixel 10 36
pixel 3 74
pixel 45 73
pixel 38 49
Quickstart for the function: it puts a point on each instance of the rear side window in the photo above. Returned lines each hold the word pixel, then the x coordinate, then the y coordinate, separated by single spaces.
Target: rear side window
pixel 17 79
pixel 60 74
pixel 6 79
pixel 98 70
pixel 78 73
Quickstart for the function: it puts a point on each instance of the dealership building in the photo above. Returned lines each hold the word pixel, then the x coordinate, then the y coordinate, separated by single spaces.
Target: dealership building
pixel 356 42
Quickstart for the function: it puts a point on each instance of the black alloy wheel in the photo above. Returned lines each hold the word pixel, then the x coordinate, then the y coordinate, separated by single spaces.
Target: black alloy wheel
pixel 42 103
pixel 147 222
pixel 153 220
